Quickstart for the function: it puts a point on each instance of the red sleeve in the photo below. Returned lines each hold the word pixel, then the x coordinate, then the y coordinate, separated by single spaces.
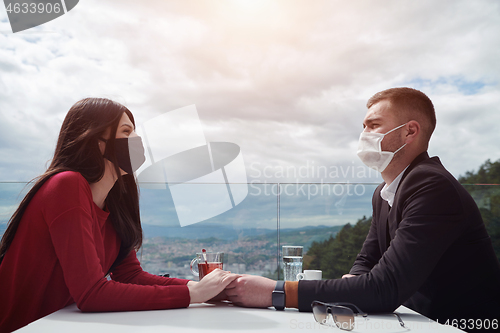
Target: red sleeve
pixel 71 227
pixel 130 271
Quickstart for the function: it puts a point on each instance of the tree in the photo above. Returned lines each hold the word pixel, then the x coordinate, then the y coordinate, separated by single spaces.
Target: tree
pixel 335 256
pixel 484 187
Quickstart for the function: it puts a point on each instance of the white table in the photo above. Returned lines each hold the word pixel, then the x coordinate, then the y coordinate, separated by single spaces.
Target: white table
pixel 220 317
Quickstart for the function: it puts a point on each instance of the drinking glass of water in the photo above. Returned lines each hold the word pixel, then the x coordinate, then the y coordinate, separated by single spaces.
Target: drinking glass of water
pixel 292 262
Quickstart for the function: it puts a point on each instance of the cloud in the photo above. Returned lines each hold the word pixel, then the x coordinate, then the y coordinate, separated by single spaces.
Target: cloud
pixel 286 80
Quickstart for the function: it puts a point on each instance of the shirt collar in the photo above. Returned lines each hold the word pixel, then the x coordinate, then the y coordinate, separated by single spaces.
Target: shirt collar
pixel 389 191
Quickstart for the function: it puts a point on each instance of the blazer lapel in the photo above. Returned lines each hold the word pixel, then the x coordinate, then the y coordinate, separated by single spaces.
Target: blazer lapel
pixel 392 223
pixel 383 231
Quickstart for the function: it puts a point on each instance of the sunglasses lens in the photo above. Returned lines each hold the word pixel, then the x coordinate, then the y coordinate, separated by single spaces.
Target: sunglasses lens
pixel 320 312
pixel 343 317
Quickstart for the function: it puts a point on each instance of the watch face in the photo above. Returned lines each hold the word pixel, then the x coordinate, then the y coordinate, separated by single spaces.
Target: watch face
pixel 279 299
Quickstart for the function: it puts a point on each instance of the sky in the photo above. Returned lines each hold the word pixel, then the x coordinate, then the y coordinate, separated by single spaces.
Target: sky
pixel 287 81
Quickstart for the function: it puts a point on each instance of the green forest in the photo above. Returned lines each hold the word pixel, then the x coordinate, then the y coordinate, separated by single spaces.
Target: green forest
pixel 336 255
pixel 484 186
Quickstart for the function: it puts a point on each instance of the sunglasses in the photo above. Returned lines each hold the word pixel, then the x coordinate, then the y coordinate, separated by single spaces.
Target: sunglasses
pixel 342 314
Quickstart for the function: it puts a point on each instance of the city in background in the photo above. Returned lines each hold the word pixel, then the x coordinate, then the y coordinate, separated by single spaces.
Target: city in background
pixel 329 220
pixel 287 81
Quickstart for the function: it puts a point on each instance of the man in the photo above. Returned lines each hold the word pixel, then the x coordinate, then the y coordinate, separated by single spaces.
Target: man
pixel 427 247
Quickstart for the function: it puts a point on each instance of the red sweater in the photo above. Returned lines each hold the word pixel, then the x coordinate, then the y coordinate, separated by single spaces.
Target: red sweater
pixel 61 252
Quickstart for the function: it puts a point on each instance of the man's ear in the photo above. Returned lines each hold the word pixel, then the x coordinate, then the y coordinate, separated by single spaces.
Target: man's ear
pixel 414 131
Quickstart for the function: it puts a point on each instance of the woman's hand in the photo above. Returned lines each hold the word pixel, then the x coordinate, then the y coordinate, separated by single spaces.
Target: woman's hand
pixel 210 286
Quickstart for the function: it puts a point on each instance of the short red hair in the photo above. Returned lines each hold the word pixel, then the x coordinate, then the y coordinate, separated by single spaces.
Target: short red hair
pixel 411 104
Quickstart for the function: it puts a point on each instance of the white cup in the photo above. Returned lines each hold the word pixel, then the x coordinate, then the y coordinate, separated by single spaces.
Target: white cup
pixel 310 275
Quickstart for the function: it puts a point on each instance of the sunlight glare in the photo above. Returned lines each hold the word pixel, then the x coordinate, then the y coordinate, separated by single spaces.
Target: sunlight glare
pixel 254 11
pixel 252 5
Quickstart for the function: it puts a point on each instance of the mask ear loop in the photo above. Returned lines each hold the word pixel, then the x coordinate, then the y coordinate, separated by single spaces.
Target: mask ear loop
pixel 392 130
pixel 399 148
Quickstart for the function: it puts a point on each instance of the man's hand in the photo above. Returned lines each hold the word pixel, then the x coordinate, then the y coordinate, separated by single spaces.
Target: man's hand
pixel 221 297
pixel 210 286
pixel 251 291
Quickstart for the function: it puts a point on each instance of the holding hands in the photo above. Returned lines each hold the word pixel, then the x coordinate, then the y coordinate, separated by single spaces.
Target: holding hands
pixel 251 291
pixel 242 290
pixel 210 286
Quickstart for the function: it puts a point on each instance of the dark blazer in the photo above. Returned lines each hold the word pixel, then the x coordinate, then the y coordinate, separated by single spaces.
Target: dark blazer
pixel 429 252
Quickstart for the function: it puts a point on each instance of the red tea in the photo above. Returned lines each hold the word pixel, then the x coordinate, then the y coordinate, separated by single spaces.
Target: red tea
pixel 205 268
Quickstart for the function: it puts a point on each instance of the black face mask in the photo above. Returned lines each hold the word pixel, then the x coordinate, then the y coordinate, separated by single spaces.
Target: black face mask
pixel 129 153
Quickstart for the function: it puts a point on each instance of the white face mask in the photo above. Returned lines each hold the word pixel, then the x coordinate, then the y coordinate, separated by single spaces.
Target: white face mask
pixel 370 150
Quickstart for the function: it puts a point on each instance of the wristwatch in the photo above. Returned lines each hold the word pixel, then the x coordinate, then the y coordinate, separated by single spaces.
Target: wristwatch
pixel 279 295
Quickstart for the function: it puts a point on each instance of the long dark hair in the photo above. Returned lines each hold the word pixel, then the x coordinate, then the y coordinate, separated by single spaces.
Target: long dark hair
pixel 78 150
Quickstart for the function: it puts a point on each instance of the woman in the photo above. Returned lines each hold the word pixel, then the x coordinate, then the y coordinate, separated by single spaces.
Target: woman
pixel 80 224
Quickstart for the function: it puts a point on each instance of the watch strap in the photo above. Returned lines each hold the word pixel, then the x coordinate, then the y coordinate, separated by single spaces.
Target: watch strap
pixel 278 297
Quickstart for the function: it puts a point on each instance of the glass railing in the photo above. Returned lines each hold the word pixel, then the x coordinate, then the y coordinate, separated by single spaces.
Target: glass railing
pixel 252 228
pixel 253 231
